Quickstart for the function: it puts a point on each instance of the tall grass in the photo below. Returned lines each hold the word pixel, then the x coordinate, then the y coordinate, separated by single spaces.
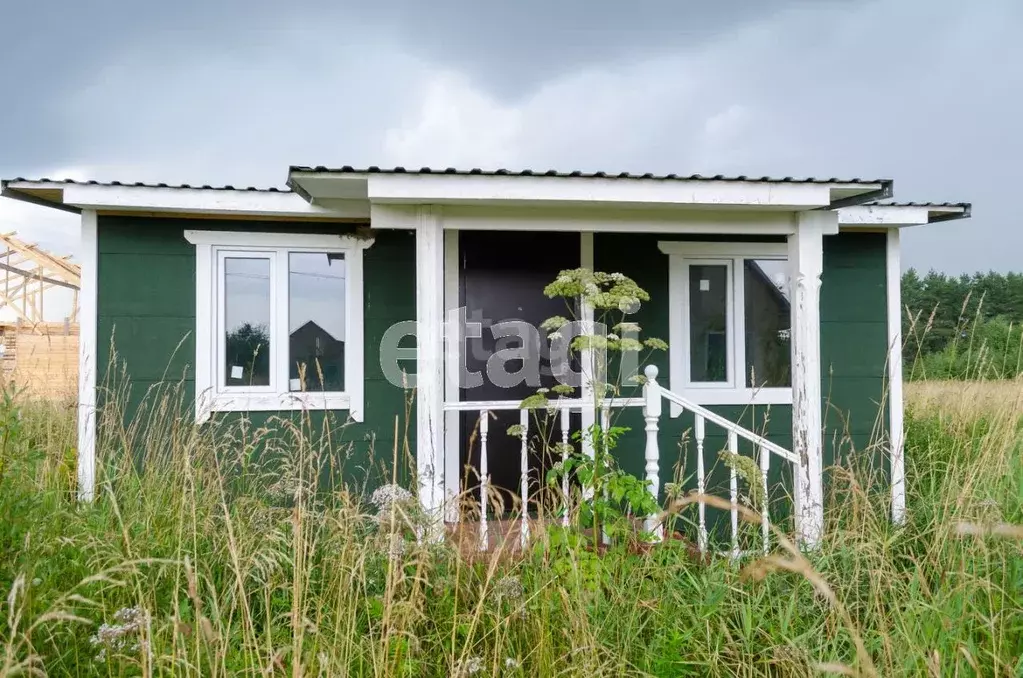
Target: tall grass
pixel 202 558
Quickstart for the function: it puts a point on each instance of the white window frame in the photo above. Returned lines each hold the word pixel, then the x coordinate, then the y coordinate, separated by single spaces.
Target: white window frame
pixel 682 255
pixel 212 394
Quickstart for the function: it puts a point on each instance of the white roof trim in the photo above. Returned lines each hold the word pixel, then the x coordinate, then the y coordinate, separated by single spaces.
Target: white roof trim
pixel 895 215
pixel 213 201
pixel 412 188
pixel 590 219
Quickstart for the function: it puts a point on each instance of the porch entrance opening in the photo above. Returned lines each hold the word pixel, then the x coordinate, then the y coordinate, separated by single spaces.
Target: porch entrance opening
pixel 502 276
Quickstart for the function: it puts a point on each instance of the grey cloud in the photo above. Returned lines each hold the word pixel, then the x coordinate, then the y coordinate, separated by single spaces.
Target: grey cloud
pixel 926 92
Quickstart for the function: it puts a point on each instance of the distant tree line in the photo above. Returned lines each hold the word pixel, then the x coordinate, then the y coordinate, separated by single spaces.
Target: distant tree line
pixel 962 327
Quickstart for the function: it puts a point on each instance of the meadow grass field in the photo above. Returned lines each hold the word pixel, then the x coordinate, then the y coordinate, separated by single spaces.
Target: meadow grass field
pixel 193 562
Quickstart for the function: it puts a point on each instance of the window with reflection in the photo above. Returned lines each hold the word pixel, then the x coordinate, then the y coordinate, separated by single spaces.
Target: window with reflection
pixel 316 321
pixel 708 323
pixel 247 318
pixel 768 323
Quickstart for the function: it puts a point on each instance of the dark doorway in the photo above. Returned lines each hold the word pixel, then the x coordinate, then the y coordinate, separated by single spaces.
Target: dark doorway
pixel 502 276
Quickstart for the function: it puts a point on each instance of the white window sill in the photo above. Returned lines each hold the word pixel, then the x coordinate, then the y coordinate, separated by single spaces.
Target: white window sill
pixel 735 396
pixel 273 402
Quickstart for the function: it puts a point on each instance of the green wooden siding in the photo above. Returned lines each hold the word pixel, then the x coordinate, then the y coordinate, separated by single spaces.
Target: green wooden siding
pixel 854 346
pixel 147 314
pixel 147 311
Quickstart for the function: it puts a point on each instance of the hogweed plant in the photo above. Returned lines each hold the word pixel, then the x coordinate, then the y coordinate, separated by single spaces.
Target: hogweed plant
pixel 607 345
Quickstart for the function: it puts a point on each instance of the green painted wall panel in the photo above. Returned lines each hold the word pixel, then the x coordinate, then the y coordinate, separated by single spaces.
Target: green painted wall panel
pixel 156 347
pixel 854 338
pixel 147 305
pixel 854 295
pixel 853 349
pixel 150 295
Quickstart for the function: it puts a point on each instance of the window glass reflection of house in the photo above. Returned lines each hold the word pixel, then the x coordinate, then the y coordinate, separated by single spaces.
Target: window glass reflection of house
pixel 321 354
pixel 768 321
pixel 316 290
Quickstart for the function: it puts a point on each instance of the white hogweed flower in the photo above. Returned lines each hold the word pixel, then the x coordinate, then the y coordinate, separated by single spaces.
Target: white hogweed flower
pixel 509 588
pixel 386 496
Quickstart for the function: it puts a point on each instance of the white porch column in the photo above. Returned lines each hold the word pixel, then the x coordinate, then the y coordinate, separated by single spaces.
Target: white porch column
pixel 430 363
pixel 806 265
pixel 895 412
pixel 88 312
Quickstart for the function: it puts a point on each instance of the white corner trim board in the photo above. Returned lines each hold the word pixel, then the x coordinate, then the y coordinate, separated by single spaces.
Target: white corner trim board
pixel 87 357
pixel 212 395
pixel 893 277
pixel 681 255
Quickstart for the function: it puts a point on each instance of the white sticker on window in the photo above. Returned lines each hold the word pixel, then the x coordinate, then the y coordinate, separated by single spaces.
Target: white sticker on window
pixel 294 384
pixel 237 371
pixel 704 285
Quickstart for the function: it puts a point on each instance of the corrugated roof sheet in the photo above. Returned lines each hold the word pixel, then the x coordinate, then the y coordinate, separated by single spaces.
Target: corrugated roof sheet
pixel 373 169
pixel 140 184
pixel 889 203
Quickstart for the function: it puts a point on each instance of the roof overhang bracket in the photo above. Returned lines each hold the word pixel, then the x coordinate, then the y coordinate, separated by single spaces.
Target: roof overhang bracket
pixel 884 193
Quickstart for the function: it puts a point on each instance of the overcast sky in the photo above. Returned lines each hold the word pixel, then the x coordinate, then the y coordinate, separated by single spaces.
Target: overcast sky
pixel 927 92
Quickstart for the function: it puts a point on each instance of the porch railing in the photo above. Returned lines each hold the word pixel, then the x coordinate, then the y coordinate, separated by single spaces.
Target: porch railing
pixel 650 403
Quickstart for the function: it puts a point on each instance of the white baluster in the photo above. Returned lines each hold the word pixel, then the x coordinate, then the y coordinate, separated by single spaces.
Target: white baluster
pixel 733 491
pixel 651 413
pixel 484 479
pixel 566 415
pixel 701 479
pixel 765 466
pixel 524 478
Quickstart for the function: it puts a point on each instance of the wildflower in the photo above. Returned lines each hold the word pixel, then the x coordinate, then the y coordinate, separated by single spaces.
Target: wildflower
pixel 37 581
pixel 386 496
pixel 512 663
pixel 396 548
pixel 509 588
pixel 122 636
pixel 628 304
pixel 469 667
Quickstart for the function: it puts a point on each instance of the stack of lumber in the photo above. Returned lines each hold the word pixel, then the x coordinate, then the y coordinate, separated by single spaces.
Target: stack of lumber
pixel 41 359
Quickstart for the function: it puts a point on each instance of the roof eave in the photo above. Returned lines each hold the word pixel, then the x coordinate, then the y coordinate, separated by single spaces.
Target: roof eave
pixel 477 187
pixel 17 193
pixel 965 213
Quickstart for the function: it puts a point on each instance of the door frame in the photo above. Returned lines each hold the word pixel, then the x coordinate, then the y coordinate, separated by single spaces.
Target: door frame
pixel 453 358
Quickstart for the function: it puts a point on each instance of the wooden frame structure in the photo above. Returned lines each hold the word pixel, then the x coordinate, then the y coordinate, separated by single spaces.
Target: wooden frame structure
pixel 28 272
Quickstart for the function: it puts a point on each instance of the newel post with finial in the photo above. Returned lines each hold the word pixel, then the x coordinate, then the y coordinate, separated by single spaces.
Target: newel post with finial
pixel 651 415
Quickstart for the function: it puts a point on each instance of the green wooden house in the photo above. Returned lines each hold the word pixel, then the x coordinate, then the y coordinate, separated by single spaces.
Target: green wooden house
pixel 779 299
